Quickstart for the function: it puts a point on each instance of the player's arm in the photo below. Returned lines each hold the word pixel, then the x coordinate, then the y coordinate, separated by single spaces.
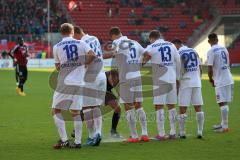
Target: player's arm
pixel 90 57
pixel 108 55
pixel 199 64
pixel 57 66
pixel 210 74
pixel 210 59
pixel 10 54
pixel 146 57
pixel 56 59
pixel 111 53
pixel 177 60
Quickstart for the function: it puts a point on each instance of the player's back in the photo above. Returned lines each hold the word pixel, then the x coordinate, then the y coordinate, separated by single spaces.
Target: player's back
pixel 190 68
pixel 70 53
pixel 95 69
pixel 94 44
pixel 164 59
pixel 128 58
pixel 218 57
pixel 68 49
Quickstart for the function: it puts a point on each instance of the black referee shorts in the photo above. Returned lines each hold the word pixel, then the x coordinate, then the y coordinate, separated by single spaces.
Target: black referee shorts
pixel 21 72
pixel 109 97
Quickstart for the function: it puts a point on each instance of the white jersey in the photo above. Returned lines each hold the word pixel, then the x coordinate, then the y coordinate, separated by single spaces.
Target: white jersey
pixel 164 55
pixel 95 45
pixel 128 54
pixel 71 49
pixel 218 58
pixel 190 68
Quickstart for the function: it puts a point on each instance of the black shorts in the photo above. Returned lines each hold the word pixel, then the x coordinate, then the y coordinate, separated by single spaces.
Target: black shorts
pixel 109 97
pixel 21 72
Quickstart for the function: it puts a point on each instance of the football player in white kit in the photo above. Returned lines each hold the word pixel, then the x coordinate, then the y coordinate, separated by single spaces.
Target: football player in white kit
pixel 127 57
pixel 70 56
pixel 96 80
pixel 221 78
pixel 165 62
pixel 190 92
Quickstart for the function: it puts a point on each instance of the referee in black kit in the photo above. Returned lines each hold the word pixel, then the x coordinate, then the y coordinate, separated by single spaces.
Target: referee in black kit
pixel 19 54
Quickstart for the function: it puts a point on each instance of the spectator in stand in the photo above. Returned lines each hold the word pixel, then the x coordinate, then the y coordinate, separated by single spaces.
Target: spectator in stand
pixel 117 10
pixel 132 14
pixel 28 17
pixel 182 25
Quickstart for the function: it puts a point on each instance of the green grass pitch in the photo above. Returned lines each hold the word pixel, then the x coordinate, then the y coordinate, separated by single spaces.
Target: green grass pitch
pixel 27 131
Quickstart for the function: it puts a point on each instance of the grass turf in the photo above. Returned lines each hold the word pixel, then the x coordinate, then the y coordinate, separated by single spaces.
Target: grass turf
pixel 27 130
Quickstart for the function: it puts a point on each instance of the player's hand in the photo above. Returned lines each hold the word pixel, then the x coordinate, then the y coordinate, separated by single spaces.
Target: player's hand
pixel 15 60
pixel 212 82
pixel 178 85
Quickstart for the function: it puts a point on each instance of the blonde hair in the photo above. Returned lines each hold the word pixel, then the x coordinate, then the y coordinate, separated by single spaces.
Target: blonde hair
pixel 66 28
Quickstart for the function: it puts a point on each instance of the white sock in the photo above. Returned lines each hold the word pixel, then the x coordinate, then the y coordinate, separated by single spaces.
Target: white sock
pixel 130 116
pixel 182 124
pixel 60 124
pixel 97 120
pixel 78 129
pixel 173 120
pixel 224 113
pixel 200 122
pixel 143 120
pixel 88 118
pixel 160 122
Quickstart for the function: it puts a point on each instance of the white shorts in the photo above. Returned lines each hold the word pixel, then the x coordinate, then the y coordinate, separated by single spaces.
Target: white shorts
pixel 190 96
pixel 96 95
pixel 224 94
pixel 131 91
pixel 66 101
pixel 169 97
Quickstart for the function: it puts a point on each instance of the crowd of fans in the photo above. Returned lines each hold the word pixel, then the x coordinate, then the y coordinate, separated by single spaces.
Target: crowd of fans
pixel 29 17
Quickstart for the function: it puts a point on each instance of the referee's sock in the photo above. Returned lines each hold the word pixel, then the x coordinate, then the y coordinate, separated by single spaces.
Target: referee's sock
pixel 115 120
pixel 21 87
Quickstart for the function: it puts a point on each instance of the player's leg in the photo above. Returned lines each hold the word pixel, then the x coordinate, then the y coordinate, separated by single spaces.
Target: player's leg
pixel 116 116
pixel 88 118
pixel 182 121
pixel 60 124
pixel 184 97
pixel 137 89
pixel 159 100
pixel 199 119
pixel 224 95
pixel 171 100
pixel 127 98
pixel 22 79
pixel 97 124
pixel 77 119
pixel 197 102
pixel 143 120
pixel 18 90
pixel 131 119
pixel 111 100
pixel 160 119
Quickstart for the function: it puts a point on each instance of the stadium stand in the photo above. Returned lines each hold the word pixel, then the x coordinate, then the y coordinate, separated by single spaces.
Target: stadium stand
pixel 179 18
pixel 174 19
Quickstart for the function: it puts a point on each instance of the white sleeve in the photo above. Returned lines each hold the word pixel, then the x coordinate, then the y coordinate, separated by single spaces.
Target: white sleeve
pixel 55 55
pixel 86 47
pixel 148 50
pixel 210 58
pixel 228 59
pixel 177 60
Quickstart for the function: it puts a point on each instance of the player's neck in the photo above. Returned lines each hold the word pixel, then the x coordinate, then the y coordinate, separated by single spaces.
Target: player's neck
pixel 214 44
